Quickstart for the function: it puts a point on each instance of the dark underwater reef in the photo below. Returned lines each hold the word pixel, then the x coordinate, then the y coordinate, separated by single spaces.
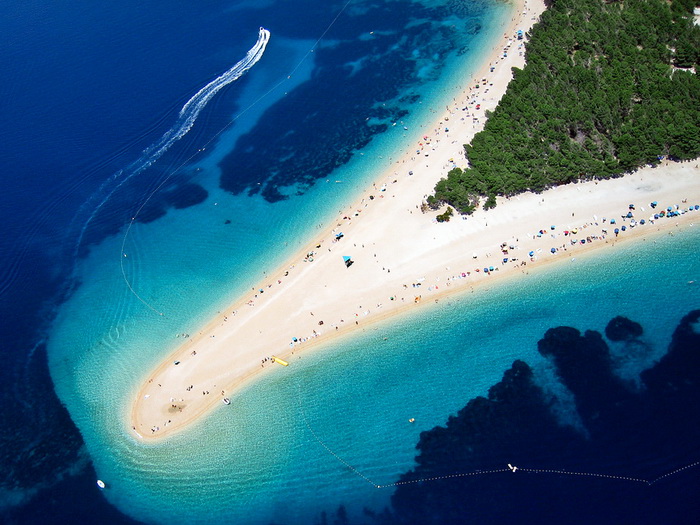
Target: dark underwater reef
pixel 633 435
pixel 45 474
pixel 360 87
pixel 144 201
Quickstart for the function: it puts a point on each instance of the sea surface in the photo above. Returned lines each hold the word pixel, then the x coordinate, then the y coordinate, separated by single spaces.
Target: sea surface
pixel 159 157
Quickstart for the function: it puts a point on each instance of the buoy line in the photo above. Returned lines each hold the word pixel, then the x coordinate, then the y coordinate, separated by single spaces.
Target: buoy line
pixel 326 447
pixel 509 468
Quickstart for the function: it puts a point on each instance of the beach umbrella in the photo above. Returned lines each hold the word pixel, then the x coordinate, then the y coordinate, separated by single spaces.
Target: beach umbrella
pixel 654 204
pixel 656 216
pixel 347 260
pixel 617 230
pixel 532 254
pixel 669 208
pixel 612 221
pixel 505 260
pixel 491 268
pixel 624 228
pixel 697 207
pixel 553 250
pixel 642 221
pixel 486 270
pixel 629 215
pixel 553 227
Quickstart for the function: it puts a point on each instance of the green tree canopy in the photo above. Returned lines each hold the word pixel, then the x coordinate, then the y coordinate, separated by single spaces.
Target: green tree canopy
pixel 608 87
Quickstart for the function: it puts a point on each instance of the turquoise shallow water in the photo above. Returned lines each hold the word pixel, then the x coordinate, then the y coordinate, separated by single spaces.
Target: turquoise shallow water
pixel 273 454
pixel 282 451
pixel 188 265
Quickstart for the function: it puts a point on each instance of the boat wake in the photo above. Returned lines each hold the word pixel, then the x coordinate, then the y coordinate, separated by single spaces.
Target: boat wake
pixel 186 119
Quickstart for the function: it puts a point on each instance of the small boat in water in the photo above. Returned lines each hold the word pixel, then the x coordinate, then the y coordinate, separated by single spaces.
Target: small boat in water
pixel 101 484
pixel 226 401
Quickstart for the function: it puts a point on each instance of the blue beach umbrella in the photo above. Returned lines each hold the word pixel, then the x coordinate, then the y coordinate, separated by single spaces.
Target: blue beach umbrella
pixel 612 221
pixel 642 221
pixel 532 254
pixel 553 250
pixel 624 228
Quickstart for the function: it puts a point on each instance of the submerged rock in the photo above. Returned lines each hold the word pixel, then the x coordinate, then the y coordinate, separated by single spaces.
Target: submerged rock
pixel 622 329
pixel 637 461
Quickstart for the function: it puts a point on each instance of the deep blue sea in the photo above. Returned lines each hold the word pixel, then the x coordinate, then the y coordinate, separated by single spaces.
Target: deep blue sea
pixel 157 157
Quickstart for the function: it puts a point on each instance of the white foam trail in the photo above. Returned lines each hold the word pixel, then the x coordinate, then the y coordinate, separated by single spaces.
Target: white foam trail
pixel 186 118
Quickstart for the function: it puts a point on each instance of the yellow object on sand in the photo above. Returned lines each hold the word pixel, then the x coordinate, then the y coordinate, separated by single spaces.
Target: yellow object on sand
pixel 279 361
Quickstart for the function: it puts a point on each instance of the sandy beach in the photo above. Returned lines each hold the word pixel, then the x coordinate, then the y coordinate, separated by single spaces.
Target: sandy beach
pixel 402 258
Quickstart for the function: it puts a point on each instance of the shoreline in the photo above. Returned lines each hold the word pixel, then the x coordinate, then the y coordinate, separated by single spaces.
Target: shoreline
pixel 212 364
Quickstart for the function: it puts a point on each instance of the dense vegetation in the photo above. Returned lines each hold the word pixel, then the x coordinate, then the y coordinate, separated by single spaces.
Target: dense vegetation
pixel 608 87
